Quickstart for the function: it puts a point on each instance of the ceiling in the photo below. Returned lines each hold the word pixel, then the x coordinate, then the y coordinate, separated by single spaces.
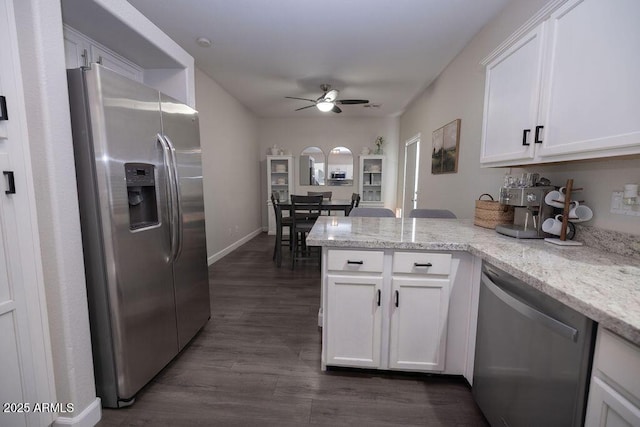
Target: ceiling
pixel 385 51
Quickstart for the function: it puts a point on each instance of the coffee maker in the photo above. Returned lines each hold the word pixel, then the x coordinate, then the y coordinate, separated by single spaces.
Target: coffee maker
pixel 530 208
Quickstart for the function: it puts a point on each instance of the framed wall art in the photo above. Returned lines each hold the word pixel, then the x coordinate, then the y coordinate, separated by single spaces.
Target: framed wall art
pixel 446 144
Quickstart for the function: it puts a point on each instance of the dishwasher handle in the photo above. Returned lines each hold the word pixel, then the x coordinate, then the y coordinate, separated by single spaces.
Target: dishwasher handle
pixel 530 312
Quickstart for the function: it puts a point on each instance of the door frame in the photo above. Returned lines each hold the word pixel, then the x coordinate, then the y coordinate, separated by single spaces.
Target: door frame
pixel 23 256
pixel 413 140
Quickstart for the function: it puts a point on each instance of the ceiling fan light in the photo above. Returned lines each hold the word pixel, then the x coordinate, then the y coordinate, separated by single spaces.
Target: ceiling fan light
pixel 325 106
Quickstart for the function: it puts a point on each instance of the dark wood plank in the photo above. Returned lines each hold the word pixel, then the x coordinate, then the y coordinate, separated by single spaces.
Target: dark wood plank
pixel 257 362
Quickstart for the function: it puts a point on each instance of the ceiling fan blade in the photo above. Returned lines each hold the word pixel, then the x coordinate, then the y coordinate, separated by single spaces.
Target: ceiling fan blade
pixel 302 99
pixel 336 109
pixel 331 95
pixel 308 106
pixel 352 101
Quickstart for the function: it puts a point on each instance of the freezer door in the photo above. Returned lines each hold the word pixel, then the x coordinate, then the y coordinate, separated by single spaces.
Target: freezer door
pixel 191 280
pixel 129 270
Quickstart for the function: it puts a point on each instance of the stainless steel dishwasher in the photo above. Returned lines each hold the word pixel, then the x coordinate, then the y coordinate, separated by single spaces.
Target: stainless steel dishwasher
pixel 533 355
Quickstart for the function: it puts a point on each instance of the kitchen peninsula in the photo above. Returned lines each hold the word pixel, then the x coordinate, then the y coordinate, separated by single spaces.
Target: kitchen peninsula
pixel 603 286
pixel 403 295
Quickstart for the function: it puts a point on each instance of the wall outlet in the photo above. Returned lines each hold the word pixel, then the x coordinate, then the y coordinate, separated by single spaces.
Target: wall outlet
pixel 618 207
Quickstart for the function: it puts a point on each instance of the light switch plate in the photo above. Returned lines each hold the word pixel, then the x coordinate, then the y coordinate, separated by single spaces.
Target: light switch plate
pixel 618 207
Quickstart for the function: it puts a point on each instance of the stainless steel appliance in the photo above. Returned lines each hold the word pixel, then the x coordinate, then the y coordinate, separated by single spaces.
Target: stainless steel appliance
pixel 139 173
pixel 530 211
pixel 307 171
pixel 533 355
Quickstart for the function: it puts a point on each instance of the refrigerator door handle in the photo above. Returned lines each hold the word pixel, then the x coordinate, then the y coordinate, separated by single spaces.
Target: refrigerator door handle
pixel 178 198
pixel 167 159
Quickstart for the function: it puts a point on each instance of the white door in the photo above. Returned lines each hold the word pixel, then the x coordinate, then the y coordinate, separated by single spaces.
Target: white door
pixel 418 329
pixel 25 356
pixel 411 171
pixel 592 91
pixel 511 101
pixel 354 321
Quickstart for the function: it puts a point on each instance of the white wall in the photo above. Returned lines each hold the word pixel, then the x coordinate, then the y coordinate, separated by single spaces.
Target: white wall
pixel 231 167
pixel 295 134
pixel 459 93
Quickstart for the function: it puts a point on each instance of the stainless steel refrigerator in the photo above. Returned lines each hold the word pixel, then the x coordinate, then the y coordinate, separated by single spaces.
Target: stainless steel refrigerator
pixel 139 173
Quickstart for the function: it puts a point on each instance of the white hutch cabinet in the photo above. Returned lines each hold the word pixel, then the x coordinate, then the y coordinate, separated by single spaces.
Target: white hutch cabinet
pixel 280 179
pixel 371 182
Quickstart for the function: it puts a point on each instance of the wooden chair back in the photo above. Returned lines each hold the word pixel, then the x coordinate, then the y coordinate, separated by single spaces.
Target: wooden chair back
pixel 355 202
pixel 325 194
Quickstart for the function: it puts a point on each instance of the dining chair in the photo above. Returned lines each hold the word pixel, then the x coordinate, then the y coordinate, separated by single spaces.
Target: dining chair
pixel 431 213
pixel 355 202
pixel 372 212
pixel 282 222
pixel 305 210
pixel 326 195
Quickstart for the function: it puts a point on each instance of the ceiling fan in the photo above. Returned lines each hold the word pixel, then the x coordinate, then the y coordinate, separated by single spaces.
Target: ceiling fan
pixel 328 100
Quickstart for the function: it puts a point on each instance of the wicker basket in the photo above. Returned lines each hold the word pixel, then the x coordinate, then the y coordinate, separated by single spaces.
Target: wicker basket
pixel 490 213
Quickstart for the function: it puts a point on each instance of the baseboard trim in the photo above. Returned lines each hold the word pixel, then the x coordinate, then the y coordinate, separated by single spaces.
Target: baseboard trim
pixel 89 417
pixel 232 247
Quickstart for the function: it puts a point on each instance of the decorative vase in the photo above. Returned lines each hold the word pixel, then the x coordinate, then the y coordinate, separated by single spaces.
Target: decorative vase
pixel 378 150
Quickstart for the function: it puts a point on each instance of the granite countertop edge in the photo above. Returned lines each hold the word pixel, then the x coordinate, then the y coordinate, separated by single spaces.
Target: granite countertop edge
pixel 603 286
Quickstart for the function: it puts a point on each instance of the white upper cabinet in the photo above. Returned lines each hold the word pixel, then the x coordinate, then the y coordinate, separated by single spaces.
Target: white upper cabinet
pixel 585 102
pixel 592 89
pixel 512 92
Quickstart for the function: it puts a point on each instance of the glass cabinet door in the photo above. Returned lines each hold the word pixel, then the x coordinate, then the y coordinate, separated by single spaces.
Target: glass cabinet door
pixel 279 170
pixel 280 183
pixel 371 180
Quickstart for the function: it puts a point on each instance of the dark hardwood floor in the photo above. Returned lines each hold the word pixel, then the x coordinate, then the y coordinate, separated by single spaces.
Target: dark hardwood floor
pixel 257 363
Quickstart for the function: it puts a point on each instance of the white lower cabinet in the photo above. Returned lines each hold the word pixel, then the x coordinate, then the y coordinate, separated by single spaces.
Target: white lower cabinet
pixel 398 310
pixel 418 324
pixel 355 318
pixel 614 393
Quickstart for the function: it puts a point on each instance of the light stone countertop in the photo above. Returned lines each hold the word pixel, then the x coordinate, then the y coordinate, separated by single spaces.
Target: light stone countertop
pixel 603 286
